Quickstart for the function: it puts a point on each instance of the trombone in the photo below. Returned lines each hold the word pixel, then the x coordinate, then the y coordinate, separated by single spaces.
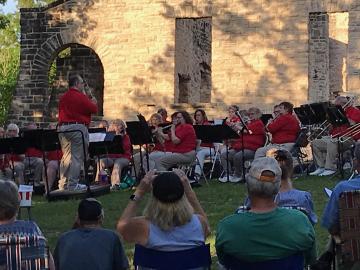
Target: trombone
pixel 326 124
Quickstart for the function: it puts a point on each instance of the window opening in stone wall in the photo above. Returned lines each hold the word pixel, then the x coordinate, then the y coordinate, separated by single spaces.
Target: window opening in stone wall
pixel 328 53
pixel 193 60
pixel 74 58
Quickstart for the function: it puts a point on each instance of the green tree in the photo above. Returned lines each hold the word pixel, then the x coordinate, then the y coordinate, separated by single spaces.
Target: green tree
pixel 9 62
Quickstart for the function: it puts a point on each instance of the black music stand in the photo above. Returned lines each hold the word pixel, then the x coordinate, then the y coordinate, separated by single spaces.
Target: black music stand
pixel 112 144
pixel 219 133
pixel 14 146
pixel 319 111
pixel 45 141
pixel 301 113
pixel 265 118
pixel 140 134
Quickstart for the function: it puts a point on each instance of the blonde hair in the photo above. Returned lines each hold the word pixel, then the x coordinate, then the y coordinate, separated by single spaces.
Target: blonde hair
pixel 168 215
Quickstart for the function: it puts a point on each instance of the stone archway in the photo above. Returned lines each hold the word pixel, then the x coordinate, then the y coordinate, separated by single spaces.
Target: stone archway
pixel 74 58
pixel 34 98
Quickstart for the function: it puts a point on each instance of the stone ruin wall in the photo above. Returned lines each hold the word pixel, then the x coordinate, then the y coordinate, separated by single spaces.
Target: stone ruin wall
pixel 258 58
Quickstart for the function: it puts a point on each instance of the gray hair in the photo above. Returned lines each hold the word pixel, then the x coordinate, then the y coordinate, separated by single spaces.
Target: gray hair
pixel 13 126
pixel 9 200
pixel 261 188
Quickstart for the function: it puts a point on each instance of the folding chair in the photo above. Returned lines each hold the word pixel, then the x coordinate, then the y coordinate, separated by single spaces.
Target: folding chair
pixel 194 258
pixel 347 243
pixel 293 262
pixel 23 252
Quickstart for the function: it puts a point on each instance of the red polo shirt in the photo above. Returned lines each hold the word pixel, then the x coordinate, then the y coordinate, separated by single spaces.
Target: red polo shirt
pixel 74 106
pixel 284 129
pixel 54 155
pixel 353 114
pixel 254 140
pixel 33 152
pixel 187 136
pixel 127 149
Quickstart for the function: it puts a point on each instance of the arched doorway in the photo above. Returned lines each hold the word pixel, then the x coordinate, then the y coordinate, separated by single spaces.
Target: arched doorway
pixel 74 58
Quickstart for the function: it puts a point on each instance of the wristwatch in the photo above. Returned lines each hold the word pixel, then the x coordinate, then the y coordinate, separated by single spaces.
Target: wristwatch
pixel 134 198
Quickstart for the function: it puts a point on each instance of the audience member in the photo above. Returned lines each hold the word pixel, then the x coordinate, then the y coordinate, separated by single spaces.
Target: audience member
pixel 9 207
pixel 266 232
pixel 289 196
pixel 330 218
pixel 90 246
pixel 173 218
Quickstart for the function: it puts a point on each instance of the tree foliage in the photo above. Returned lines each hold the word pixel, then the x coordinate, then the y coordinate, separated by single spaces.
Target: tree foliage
pixel 9 63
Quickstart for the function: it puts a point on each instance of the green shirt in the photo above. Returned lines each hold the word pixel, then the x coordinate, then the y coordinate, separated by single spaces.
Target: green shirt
pixel 255 237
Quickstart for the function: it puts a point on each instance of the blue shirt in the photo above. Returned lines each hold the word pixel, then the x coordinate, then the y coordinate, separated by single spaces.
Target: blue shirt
pixel 331 212
pixel 298 198
pixel 182 237
pixel 294 198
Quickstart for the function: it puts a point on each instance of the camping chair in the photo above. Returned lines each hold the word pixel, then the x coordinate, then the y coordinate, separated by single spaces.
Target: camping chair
pixel 293 262
pixel 198 257
pixel 19 252
pixel 347 243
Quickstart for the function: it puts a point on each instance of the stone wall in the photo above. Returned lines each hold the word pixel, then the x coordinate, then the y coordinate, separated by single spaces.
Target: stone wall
pixel 258 57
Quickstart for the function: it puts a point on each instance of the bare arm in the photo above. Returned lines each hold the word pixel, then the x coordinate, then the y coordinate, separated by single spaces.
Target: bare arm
pixel 193 200
pixel 135 229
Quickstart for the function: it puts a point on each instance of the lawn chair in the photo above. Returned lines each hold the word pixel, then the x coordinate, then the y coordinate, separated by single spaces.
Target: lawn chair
pixel 347 243
pixel 194 258
pixel 293 262
pixel 23 252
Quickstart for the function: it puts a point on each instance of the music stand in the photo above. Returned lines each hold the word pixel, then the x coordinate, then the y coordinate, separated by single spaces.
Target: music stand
pixel 45 141
pixel 265 118
pixel 302 115
pixel 13 146
pixel 319 111
pixel 219 133
pixel 140 134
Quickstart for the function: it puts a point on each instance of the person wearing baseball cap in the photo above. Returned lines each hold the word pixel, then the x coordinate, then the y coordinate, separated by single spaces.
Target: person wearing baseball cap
pixel 173 217
pixel 89 246
pixel 265 232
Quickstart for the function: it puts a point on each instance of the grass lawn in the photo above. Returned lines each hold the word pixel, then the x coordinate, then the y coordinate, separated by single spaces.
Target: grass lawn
pixel 218 200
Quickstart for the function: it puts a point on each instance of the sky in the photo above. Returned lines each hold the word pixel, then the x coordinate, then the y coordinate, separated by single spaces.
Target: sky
pixel 9 7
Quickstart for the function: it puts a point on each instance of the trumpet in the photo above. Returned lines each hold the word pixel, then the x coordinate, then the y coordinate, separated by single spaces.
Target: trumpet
pixel 88 90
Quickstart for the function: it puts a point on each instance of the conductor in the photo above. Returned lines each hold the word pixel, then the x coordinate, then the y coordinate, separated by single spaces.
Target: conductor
pixel 75 109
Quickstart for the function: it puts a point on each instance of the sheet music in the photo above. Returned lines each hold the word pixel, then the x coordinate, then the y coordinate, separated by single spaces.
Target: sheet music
pixel 97 137
pixel 218 121
pixel 328 191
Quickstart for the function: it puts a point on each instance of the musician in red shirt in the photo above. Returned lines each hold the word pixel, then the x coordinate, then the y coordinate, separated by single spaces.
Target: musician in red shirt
pixel 325 150
pixel 117 161
pixel 75 110
pixel 253 139
pixel 34 159
pixel 284 130
pixel 203 150
pixel 183 138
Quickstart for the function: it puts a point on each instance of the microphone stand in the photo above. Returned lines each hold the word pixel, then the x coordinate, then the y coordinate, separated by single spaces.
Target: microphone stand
pixel 241 133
